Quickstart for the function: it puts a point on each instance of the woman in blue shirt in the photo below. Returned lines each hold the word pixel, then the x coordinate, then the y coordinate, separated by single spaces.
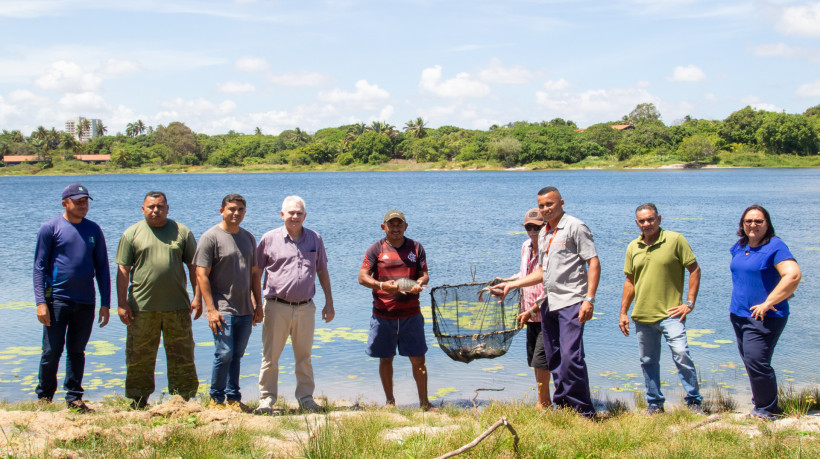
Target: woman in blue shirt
pixel 764 276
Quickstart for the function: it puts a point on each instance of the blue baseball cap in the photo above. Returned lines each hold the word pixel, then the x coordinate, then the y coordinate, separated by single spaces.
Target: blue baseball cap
pixel 76 191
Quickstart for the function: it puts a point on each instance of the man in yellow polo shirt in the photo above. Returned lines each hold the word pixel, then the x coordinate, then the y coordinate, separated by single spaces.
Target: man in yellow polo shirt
pixel 654 268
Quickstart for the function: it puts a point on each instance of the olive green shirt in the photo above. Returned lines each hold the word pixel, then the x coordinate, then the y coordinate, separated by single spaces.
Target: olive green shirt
pixel 657 271
pixel 157 257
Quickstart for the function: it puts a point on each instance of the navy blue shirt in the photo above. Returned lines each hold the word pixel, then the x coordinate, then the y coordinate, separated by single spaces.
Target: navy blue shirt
pixel 67 259
pixel 754 276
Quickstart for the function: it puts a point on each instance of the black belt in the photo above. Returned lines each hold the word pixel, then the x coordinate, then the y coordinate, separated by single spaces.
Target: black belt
pixel 292 303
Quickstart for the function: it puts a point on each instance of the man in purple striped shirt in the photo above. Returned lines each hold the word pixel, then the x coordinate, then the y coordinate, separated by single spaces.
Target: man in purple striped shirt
pixel 292 257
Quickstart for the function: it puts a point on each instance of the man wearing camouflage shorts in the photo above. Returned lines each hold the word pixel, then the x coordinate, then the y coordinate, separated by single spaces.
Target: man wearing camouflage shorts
pixel 151 256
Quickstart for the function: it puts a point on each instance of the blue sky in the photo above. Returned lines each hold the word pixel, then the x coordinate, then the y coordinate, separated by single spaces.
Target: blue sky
pixel 221 65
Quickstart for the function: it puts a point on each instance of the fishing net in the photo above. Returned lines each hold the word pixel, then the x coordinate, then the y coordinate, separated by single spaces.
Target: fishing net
pixel 470 323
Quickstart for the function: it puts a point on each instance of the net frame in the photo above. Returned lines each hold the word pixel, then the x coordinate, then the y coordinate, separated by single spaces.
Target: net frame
pixel 482 340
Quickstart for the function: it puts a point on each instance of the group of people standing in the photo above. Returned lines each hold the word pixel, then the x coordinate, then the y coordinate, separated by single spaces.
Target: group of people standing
pixel 243 283
pixel 559 277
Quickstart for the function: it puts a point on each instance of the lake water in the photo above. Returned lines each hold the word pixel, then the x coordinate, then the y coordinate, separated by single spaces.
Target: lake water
pixel 463 219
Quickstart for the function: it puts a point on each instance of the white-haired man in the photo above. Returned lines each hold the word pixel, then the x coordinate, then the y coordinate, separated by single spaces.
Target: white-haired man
pixel 292 257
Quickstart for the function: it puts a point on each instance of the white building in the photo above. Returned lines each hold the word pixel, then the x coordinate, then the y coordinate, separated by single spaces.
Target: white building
pixel 72 127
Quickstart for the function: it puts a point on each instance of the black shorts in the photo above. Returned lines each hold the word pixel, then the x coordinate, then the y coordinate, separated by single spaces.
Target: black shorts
pixel 536 358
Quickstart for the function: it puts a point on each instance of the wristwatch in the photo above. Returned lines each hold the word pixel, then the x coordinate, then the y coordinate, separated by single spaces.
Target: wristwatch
pixel 590 299
pixel 690 304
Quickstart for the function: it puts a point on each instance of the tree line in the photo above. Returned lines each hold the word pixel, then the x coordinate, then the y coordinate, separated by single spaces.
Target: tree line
pixel 641 133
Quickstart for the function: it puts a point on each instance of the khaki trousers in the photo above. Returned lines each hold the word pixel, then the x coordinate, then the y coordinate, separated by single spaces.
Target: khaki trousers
pixel 282 321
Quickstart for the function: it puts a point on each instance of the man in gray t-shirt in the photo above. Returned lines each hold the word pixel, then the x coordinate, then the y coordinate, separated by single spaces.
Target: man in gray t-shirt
pixel 230 283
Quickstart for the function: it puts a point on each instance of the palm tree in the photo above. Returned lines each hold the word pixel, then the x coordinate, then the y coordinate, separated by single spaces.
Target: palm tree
pixel 101 129
pixel 68 142
pixel 416 127
pixel 257 131
pixel 140 127
pixel 82 129
pixel 300 136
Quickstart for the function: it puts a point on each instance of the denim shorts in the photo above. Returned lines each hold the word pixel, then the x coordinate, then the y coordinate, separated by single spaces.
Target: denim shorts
pixel 386 334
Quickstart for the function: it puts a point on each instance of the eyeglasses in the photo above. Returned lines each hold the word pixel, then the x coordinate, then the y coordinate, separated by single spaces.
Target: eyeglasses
pixel 532 227
pixel 757 221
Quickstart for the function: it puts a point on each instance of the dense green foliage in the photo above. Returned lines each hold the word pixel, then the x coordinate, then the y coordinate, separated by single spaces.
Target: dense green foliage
pixel 641 137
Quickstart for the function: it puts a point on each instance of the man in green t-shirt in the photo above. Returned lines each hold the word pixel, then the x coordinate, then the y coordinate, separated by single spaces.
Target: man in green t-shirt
pixel 654 268
pixel 151 256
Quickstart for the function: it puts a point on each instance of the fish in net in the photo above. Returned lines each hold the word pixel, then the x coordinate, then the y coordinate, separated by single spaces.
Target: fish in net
pixel 469 323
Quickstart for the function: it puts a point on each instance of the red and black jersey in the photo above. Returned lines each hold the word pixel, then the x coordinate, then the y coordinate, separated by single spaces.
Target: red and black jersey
pixel 385 262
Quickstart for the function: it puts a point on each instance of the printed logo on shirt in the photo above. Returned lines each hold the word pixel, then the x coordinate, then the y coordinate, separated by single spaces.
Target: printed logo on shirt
pixel 91 239
pixel 412 257
pixel 385 257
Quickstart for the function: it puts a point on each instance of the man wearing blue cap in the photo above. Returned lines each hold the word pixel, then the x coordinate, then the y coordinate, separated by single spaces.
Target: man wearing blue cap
pixel 70 254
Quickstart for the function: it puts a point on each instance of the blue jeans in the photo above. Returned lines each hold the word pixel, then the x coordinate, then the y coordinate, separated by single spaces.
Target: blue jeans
pixel 230 346
pixel 71 325
pixel 756 340
pixel 649 344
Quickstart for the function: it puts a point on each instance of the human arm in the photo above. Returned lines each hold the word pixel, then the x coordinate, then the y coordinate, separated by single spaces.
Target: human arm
pixel 103 276
pixel 215 318
pixel 324 280
pixel 694 284
pixel 626 299
pixel 789 280
pixel 196 303
pixel 256 292
pixel 501 290
pixel 42 253
pixel 594 276
pixel 124 311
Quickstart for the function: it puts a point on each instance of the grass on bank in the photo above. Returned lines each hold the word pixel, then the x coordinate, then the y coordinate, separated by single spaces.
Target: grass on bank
pixel 723 159
pixel 191 430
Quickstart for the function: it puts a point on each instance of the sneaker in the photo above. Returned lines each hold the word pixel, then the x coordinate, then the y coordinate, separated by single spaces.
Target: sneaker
pixel 214 405
pixel 654 409
pixel 695 408
pixel 309 404
pixel 265 406
pixel 762 415
pixel 79 406
pixel 139 403
pixel 237 406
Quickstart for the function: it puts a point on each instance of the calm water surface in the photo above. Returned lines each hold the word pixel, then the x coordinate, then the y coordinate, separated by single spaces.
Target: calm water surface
pixel 463 219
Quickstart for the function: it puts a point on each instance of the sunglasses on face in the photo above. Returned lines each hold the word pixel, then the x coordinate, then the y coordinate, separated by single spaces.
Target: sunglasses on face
pixel 533 227
pixel 757 221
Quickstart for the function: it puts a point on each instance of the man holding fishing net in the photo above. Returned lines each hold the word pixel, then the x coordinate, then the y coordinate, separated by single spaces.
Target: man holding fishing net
pixel 569 269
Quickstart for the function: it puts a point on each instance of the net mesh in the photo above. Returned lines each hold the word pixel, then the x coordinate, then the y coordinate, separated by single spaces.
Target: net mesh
pixel 469 323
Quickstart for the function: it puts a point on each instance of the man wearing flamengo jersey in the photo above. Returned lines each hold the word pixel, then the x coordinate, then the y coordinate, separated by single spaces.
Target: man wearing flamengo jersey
pixel 396 319
pixel 70 254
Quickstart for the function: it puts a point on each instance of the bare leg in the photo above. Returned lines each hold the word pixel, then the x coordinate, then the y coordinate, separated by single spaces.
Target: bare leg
pixel 386 375
pixel 542 378
pixel 420 375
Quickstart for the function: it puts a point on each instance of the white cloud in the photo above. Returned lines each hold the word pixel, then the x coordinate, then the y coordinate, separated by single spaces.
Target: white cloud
pixel 387 113
pixel 809 89
pixel 460 86
pixel 556 85
pixel 757 104
pixel 593 104
pixel 28 98
pixel 776 50
pixel 118 67
pixel 69 77
pixel 689 73
pixel 234 87
pixel 297 79
pixel 84 101
pixel 643 84
pixel 365 95
pixel 800 20
pixel 7 110
pixel 497 73
pixel 251 64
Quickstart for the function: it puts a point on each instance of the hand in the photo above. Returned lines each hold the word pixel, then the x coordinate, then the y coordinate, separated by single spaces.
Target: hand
pixel 328 313
pixel 417 289
pixel 523 318
pixel 501 290
pixel 624 324
pixel 215 320
pixel 389 287
pixel 680 310
pixel 196 308
pixel 585 312
pixel 43 314
pixel 104 314
pixel 258 315
pixel 126 315
pixel 759 311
